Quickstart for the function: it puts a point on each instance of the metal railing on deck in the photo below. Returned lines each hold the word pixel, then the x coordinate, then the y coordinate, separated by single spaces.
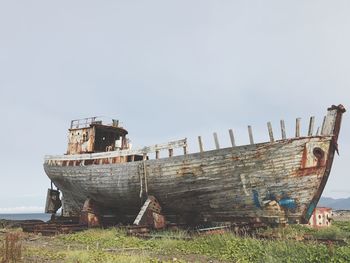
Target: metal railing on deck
pixel 82 123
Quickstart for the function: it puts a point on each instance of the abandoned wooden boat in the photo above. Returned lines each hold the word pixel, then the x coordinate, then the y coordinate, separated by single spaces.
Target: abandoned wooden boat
pixel 274 182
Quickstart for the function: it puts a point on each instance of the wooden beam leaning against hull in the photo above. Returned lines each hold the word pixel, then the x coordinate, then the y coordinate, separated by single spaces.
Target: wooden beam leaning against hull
pixel 272 182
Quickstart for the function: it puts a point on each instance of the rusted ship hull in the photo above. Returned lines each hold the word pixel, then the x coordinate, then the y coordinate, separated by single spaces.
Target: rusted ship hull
pixel 275 182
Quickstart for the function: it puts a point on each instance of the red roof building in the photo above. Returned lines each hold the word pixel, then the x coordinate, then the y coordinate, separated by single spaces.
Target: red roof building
pixel 321 217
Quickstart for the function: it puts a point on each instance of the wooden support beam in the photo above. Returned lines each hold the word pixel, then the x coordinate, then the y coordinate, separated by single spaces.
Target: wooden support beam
pixel 185 150
pixel 150 214
pixel 145 156
pixel 297 127
pixel 89 215
pixel 200 143
pixel 132 158
pixel 311 126
pixel 171 152
pixel 283 130
pixel 157 154
pixel 217 146
pixel 232 137
pixel 250 132
pixel 269 127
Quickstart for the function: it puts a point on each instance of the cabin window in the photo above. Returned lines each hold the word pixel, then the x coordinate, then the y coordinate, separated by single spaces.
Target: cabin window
pixel 134 158
pixel 104 139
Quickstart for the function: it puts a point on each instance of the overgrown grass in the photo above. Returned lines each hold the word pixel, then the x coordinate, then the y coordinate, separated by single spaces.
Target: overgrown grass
pixel 113 245
pixel 343 225
pixel 104 238
pixel 339 230
pixel 84 256
pixel 223 247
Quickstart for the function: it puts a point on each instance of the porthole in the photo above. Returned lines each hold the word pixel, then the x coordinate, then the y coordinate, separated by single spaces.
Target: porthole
pixel 319 153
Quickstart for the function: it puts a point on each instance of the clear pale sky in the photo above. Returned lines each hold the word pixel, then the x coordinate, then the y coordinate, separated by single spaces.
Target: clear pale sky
pixel 167 70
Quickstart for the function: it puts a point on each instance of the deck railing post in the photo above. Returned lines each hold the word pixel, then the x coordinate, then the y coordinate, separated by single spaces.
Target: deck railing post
pixel 269 127
pixel 232 137
pixel 217 146
pixel 323 124
pixel 283 130
pixel 311 126
pixel 297 127
pixel 200 143
pixel 250 132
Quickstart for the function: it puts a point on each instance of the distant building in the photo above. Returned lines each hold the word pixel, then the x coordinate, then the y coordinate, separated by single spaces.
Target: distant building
pixel 321 217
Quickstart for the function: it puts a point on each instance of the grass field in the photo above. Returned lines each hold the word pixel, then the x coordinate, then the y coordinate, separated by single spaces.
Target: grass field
pixel 113 245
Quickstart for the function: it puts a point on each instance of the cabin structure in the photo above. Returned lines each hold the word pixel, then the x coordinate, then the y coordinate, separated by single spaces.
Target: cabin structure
pixel 89 135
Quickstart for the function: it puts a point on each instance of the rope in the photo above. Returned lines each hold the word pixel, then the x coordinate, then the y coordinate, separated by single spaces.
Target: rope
pixel 145 174
pixel 141 189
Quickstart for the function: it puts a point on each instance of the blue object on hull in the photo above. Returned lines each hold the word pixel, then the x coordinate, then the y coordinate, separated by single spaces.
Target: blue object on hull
pixel 288 203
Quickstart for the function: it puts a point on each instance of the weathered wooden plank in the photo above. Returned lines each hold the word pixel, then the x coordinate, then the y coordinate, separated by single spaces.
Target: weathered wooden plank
pixel 297 127
pixel 232 138
pixel 216 140
pixel 283 130
pixel 250 132
pixel 311 126
pixel 269 127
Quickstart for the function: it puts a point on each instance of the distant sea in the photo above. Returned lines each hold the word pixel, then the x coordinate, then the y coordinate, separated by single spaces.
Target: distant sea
pixel 39 216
